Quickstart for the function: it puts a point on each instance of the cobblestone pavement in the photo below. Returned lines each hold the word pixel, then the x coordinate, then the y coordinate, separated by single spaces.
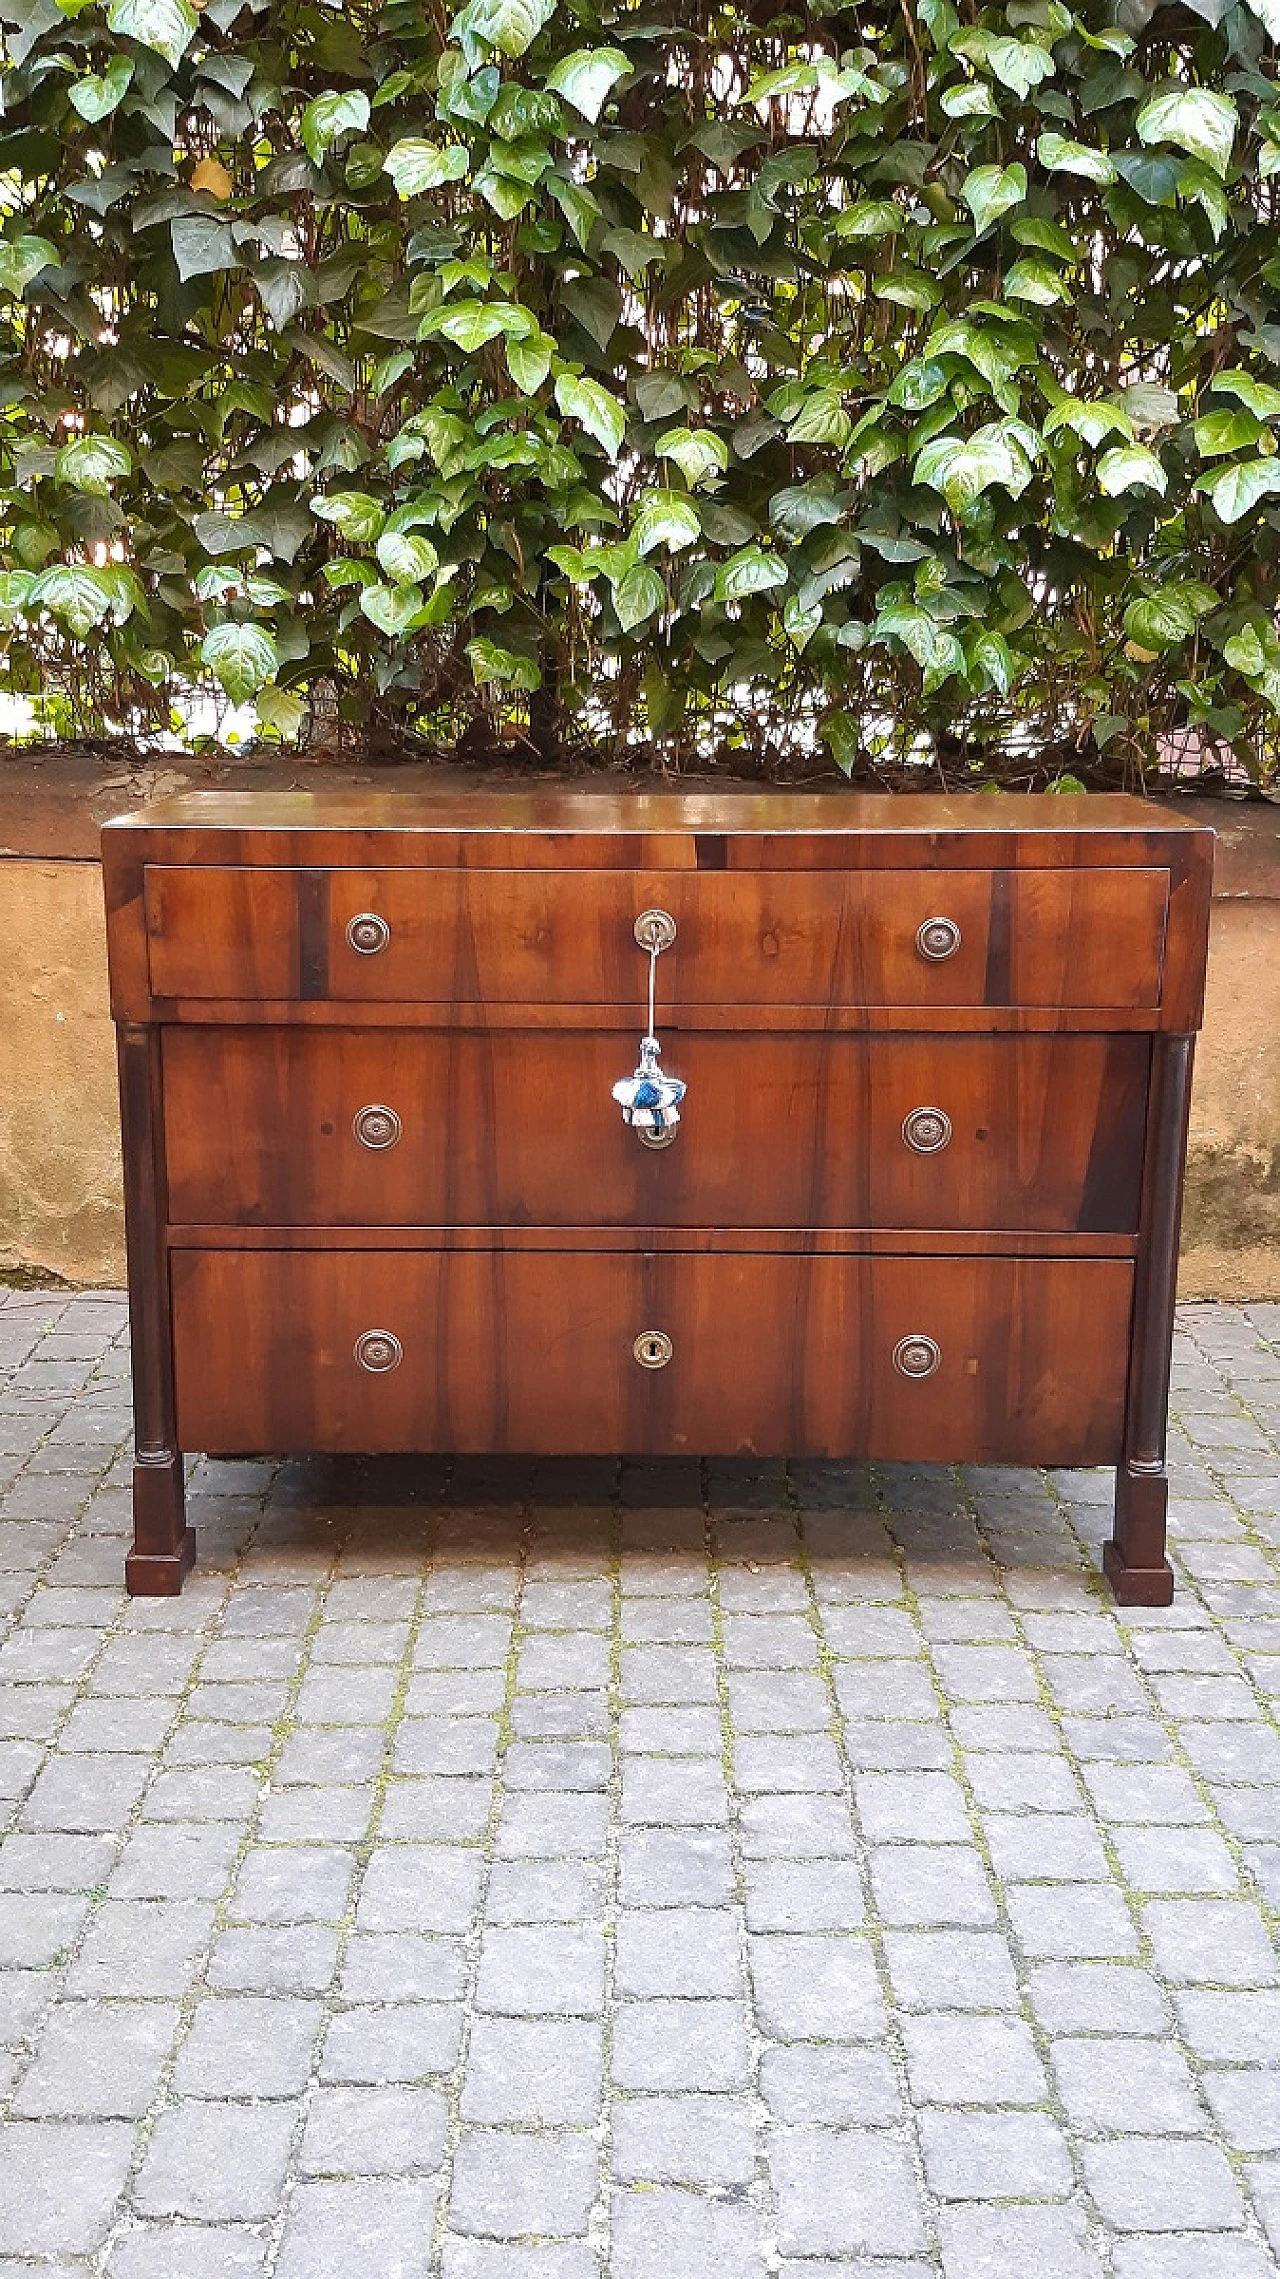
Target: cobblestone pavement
pixel 642 1872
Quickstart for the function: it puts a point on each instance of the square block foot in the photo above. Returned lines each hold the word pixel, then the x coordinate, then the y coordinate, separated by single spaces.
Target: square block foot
pixel 160 1574
pixel 1136 1586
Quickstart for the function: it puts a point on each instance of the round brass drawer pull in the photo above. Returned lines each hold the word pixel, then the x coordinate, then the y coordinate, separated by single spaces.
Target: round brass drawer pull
pixel 653 1349
pixel 368 933
pixel 938 938
pixel 916 1356
pixel 655 930
pixel 378 1350
pixel 927 1130
pixel 376 1127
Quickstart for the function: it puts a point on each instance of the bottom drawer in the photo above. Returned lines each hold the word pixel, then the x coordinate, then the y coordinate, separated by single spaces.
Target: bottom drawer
pixel 1019 1360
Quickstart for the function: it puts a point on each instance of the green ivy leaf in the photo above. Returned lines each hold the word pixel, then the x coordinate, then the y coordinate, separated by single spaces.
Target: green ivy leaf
pixel 80 597
pixel 96 96
pixel 406 558
pixel 962 468
pixel 1020 64
pixel 93 463
pixel 1131 467
pixel 822 418
pixel 242 658
pixel 747 572
pixel 1159 621
pixel 15 591
pixel 638 594
pixel 1034 281
pixel 871 218
pixel 1058 155
pixel 991 660
pixel 469 324
pixel 1263 401
pixel 974 100
pixel 168 26
pixel 1236 490
pixel 529 361
pixel 391 608
pixel 588 76
pixel 1194 119
pixel 699 455
pixel 280 709
pixel 666 518
pixel 331 116
pixel 202 245
pixel 1222 431
pixel 594 408
pixel 505 666
pixel 1092 422
pixel 510 26
pixel 1246 652
pixel 920 384
pixel 356 514
pixel 993 190
pixel 23 258
pixel 415 165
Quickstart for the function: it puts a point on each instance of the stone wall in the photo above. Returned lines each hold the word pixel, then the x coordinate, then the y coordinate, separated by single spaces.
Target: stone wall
pixel 59 1148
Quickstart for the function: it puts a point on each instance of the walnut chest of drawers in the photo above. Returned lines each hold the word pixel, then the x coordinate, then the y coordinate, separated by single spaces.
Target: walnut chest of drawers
pixel 922 1203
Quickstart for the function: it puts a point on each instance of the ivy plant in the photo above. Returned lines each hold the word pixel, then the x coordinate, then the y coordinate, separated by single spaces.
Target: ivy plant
pixel 650 377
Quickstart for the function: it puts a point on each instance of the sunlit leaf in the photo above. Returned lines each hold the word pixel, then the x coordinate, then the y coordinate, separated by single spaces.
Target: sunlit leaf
pixel 415 165
pixel 1062 156
pixel 406 557
pixel 96 96
pixel 330 116
pixel 1236 490
pixel 666 518
pixel 594 408
pixel 168 26
pixel 23 258
pixel 356 514
pixel 588 76
pixel 241 658
pixel 1196 120
pixel 699 455
pixel 93 463
pixel 507 667
pixel 1131 467
pixel 993 190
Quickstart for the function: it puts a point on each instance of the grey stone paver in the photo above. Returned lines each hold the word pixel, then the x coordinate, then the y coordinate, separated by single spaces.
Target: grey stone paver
pixel 636 1870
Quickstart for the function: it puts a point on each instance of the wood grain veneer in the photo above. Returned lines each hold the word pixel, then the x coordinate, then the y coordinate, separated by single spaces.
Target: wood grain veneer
pixel 515 1240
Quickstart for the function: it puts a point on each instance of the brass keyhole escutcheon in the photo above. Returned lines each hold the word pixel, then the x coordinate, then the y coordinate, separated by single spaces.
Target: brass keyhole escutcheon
pixel 655 930
pixel 653 1349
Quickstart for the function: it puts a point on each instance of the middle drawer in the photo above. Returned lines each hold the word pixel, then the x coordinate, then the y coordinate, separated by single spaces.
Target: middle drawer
pixel 431 1128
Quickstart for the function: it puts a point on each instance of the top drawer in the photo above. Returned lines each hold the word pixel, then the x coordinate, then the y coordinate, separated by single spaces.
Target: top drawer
pixel 910 938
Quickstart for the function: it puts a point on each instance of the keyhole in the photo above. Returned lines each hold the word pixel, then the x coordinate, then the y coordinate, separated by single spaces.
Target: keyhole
pixel 652 1349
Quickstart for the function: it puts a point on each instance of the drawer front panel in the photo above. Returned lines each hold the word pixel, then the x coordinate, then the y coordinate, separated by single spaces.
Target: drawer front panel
pixel 1052 938
pixel 298 1127
pixel 912 1359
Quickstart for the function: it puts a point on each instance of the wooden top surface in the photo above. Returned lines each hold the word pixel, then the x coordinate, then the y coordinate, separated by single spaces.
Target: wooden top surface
pixel 566 811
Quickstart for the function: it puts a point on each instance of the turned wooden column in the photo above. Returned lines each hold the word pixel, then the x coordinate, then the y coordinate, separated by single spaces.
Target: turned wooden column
pixel 163 1544
pixel 1134 1560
